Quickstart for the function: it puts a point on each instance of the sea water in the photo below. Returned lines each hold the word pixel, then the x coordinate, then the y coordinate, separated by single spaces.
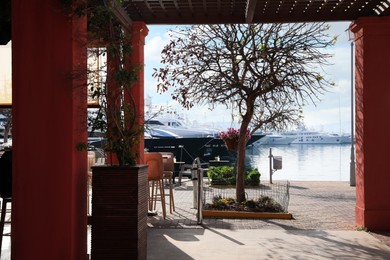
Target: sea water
pixel 307 162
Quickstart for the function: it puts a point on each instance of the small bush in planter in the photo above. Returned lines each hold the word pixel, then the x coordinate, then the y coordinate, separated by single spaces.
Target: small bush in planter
pixel 222 203
pixel 261 204
pixel 221 175
pixel 253 178
pixel 225 175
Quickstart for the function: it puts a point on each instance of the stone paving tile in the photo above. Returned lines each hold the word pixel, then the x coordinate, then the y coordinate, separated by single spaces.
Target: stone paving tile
pixel 314 206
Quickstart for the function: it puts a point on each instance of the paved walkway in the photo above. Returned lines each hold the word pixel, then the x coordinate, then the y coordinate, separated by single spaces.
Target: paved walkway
pixel 314 205
pixel 323 228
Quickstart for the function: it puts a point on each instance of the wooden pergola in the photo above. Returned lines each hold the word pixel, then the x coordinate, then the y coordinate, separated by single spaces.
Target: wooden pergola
pixel 232 11
pixel 252 11
pixel 49 109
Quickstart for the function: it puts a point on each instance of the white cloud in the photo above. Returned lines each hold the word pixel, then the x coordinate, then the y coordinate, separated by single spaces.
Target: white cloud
pixel 154 46
pixel 333 113
pixel 335 119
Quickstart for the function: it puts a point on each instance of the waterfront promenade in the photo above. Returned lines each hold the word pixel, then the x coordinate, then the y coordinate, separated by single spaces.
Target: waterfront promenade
pixel 323 228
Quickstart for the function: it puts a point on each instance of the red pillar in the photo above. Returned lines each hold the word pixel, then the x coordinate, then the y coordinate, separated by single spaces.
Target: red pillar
pixel 113 103
pixel 372 38
pixel 139 32
pixel 49 206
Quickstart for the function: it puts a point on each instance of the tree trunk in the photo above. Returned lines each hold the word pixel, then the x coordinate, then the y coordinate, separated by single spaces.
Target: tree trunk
pixel 240 184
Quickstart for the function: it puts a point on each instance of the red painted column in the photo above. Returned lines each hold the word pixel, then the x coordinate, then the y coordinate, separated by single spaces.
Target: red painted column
pixel 139 32
pixel 49 206
pixel 372 56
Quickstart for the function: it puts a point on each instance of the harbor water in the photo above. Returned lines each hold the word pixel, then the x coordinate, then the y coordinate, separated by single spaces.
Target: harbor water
pixel 304 162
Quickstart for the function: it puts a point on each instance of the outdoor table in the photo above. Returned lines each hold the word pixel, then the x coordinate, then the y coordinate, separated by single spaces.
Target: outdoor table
pixel 177 170
pixel 219 162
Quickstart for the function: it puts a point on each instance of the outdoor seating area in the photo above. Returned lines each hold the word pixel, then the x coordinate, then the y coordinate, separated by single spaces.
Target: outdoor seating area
pixel 161 179
pixel 187 170
pixel 165 175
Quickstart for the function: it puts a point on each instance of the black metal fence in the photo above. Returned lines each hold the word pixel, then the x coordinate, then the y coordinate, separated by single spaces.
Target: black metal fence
pixel 278 191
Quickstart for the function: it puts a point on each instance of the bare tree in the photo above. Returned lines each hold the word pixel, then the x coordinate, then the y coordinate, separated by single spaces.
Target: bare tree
pixel 266 72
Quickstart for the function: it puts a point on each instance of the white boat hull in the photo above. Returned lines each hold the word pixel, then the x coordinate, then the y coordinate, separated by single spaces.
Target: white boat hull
pixel 316 138
pixel 276 140
pixel 303 136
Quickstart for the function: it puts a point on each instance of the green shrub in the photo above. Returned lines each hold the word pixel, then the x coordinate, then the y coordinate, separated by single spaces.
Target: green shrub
pixel 225 175
pixel 253 178
pixel 221 175
pixel 262 204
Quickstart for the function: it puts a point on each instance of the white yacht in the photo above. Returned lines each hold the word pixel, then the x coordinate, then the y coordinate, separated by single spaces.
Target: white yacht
pixel 186 142
pixel 313 137
pixel 276 139
pixel 174 127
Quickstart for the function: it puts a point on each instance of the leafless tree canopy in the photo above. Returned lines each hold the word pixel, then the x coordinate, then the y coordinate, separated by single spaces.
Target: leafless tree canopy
pixel 268 70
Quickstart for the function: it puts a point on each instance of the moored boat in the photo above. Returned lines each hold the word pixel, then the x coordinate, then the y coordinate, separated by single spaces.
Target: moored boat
pixel 186 144
pixel 314 137
pixel 276 139
pixel 186 149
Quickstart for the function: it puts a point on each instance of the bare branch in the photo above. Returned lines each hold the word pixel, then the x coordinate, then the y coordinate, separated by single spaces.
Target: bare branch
pixel 267 71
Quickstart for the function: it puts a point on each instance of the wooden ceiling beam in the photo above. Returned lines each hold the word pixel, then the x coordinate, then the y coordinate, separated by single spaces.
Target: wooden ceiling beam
pixel 250 10
pixel 162 6
pixel 122 16
pixel 148 6
pixel 190 6
pixel 176 5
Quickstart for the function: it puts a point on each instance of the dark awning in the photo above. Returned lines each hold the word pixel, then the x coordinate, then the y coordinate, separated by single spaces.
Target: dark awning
pixel 252 11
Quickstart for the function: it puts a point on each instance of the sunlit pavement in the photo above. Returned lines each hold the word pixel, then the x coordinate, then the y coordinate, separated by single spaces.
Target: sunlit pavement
pixel 314 205
pixel 323 228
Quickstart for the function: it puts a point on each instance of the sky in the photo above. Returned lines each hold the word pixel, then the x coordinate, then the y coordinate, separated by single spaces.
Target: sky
pixel 332 114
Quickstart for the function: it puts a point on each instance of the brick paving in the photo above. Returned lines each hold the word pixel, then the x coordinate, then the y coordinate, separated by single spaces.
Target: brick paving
pixel 322 205
pixel 314 206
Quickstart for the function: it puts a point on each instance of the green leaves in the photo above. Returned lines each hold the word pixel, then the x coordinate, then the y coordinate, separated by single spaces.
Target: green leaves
pixel 110 82
pixel 225 175
pixel 125 77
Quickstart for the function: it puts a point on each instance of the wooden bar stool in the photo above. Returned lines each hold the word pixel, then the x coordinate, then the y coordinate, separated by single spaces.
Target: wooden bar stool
pixel 169 168
pixel 155 179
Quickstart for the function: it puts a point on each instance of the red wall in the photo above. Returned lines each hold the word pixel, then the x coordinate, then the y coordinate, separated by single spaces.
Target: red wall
pixel 139 32
pixel 49 120
pixel 372 38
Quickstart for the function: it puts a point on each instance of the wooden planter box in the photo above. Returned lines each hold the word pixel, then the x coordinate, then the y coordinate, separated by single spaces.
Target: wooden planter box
pixel 244 214
pixel 119 212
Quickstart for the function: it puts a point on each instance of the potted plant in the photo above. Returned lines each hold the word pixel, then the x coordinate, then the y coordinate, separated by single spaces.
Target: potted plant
pixel 119 188
pixel 231 136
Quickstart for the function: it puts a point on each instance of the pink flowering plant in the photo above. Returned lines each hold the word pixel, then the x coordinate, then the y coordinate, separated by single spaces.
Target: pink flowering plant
pixel 233 134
